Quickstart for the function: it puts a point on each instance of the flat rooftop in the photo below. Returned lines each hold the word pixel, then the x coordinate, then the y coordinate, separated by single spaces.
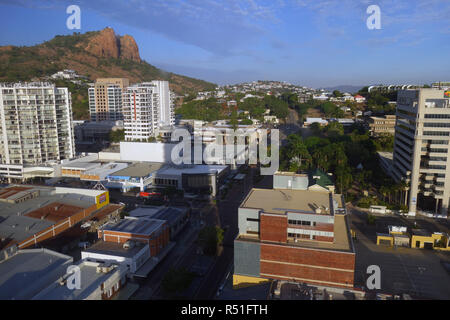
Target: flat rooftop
pixel 10 193
pixel 20 221
pixel 194 169
pixel 80 165
pixel 169 214
pixel 90 282
pixel 144 226
pixel 29 271
pixel 290 174
pixel 115 249
pixel 141 169
pixel 105 169
pixel 283 200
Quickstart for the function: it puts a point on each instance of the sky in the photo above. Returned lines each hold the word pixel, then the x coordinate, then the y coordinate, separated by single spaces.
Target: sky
pixel 315 43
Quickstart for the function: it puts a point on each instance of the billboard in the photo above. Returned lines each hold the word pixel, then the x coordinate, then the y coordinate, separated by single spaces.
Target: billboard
pixel 102 199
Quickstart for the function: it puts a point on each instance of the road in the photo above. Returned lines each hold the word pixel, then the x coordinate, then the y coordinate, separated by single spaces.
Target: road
pixel 403 270
pixel 292 125
pixel 228 217
pixel 225 215
pixel 182 255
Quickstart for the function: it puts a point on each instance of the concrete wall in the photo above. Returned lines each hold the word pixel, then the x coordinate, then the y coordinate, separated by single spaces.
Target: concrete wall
pixel 246 258
pixel 243 224
pixel 143 151
pixel 114 156
pixel 290 182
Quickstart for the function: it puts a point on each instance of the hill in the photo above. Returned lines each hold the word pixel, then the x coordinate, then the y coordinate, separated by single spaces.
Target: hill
pixel 93 54
pixel 344 88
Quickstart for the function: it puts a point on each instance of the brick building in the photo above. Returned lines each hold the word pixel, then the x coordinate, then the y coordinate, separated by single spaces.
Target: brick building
pixel 32 214
pixel 135 242
pixel 294 232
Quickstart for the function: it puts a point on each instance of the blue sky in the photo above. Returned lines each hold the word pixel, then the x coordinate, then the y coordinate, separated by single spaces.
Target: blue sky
pixel 315 43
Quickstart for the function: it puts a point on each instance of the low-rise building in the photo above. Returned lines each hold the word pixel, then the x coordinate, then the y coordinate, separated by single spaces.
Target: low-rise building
pixel 137 175
pixel 359 99
pixel 310 121
pixel 101 172
pixel 98 281
pixel 26 273
pixel 137 243
pixel 271 119
pixel 293 233
pixel 176 217
pixel 31 214
pixel 152 232
pixel 382 125
pixel 191 178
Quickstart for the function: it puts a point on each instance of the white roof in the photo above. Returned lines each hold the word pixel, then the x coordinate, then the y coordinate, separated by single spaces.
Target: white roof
pixel 195 169
pixel 311 120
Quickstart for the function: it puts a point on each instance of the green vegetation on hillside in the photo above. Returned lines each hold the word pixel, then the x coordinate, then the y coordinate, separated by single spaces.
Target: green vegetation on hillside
pixel 211 110
pixel 80 102
pixel 377 101
pixel 67 51
pixel 206 110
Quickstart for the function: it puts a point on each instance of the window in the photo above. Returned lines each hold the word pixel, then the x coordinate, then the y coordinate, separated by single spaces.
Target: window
pixel 435 133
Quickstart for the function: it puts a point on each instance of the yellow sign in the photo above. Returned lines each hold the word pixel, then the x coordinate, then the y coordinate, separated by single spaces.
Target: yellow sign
pixel 102 199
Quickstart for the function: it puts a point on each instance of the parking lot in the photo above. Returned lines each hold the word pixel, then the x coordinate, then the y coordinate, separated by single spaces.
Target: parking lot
pixel 417 272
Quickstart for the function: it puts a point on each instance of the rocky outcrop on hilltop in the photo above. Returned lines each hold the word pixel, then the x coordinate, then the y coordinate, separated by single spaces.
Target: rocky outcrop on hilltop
pixel 107 44
pixel 128 48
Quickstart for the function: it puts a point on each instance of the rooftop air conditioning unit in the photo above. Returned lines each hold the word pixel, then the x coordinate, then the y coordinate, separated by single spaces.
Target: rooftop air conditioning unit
pixel 129 244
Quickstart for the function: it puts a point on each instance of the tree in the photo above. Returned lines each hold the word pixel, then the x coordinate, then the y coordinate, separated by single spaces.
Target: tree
pixel 337 94
pixel 210 238
pixel 277 106
pixel 117 135
pixel 233 120
pixel 246 122
pixel 334 129
pixel 298 152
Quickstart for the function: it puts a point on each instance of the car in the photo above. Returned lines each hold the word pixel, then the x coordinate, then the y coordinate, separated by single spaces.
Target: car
pixel 83 244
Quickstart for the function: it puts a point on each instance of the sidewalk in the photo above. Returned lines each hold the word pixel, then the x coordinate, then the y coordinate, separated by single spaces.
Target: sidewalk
pixel 145 269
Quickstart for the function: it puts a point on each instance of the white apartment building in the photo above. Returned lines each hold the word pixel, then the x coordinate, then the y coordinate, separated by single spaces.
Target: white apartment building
pixel 36 126
pixel 105 99
pixel 421 147
pixel 147 107
pixel 166 109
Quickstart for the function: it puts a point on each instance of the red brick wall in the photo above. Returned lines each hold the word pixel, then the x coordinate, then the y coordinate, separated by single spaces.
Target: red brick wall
pixel 296 256
pixel 273 228
pixel 322 238
pixel 307 274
